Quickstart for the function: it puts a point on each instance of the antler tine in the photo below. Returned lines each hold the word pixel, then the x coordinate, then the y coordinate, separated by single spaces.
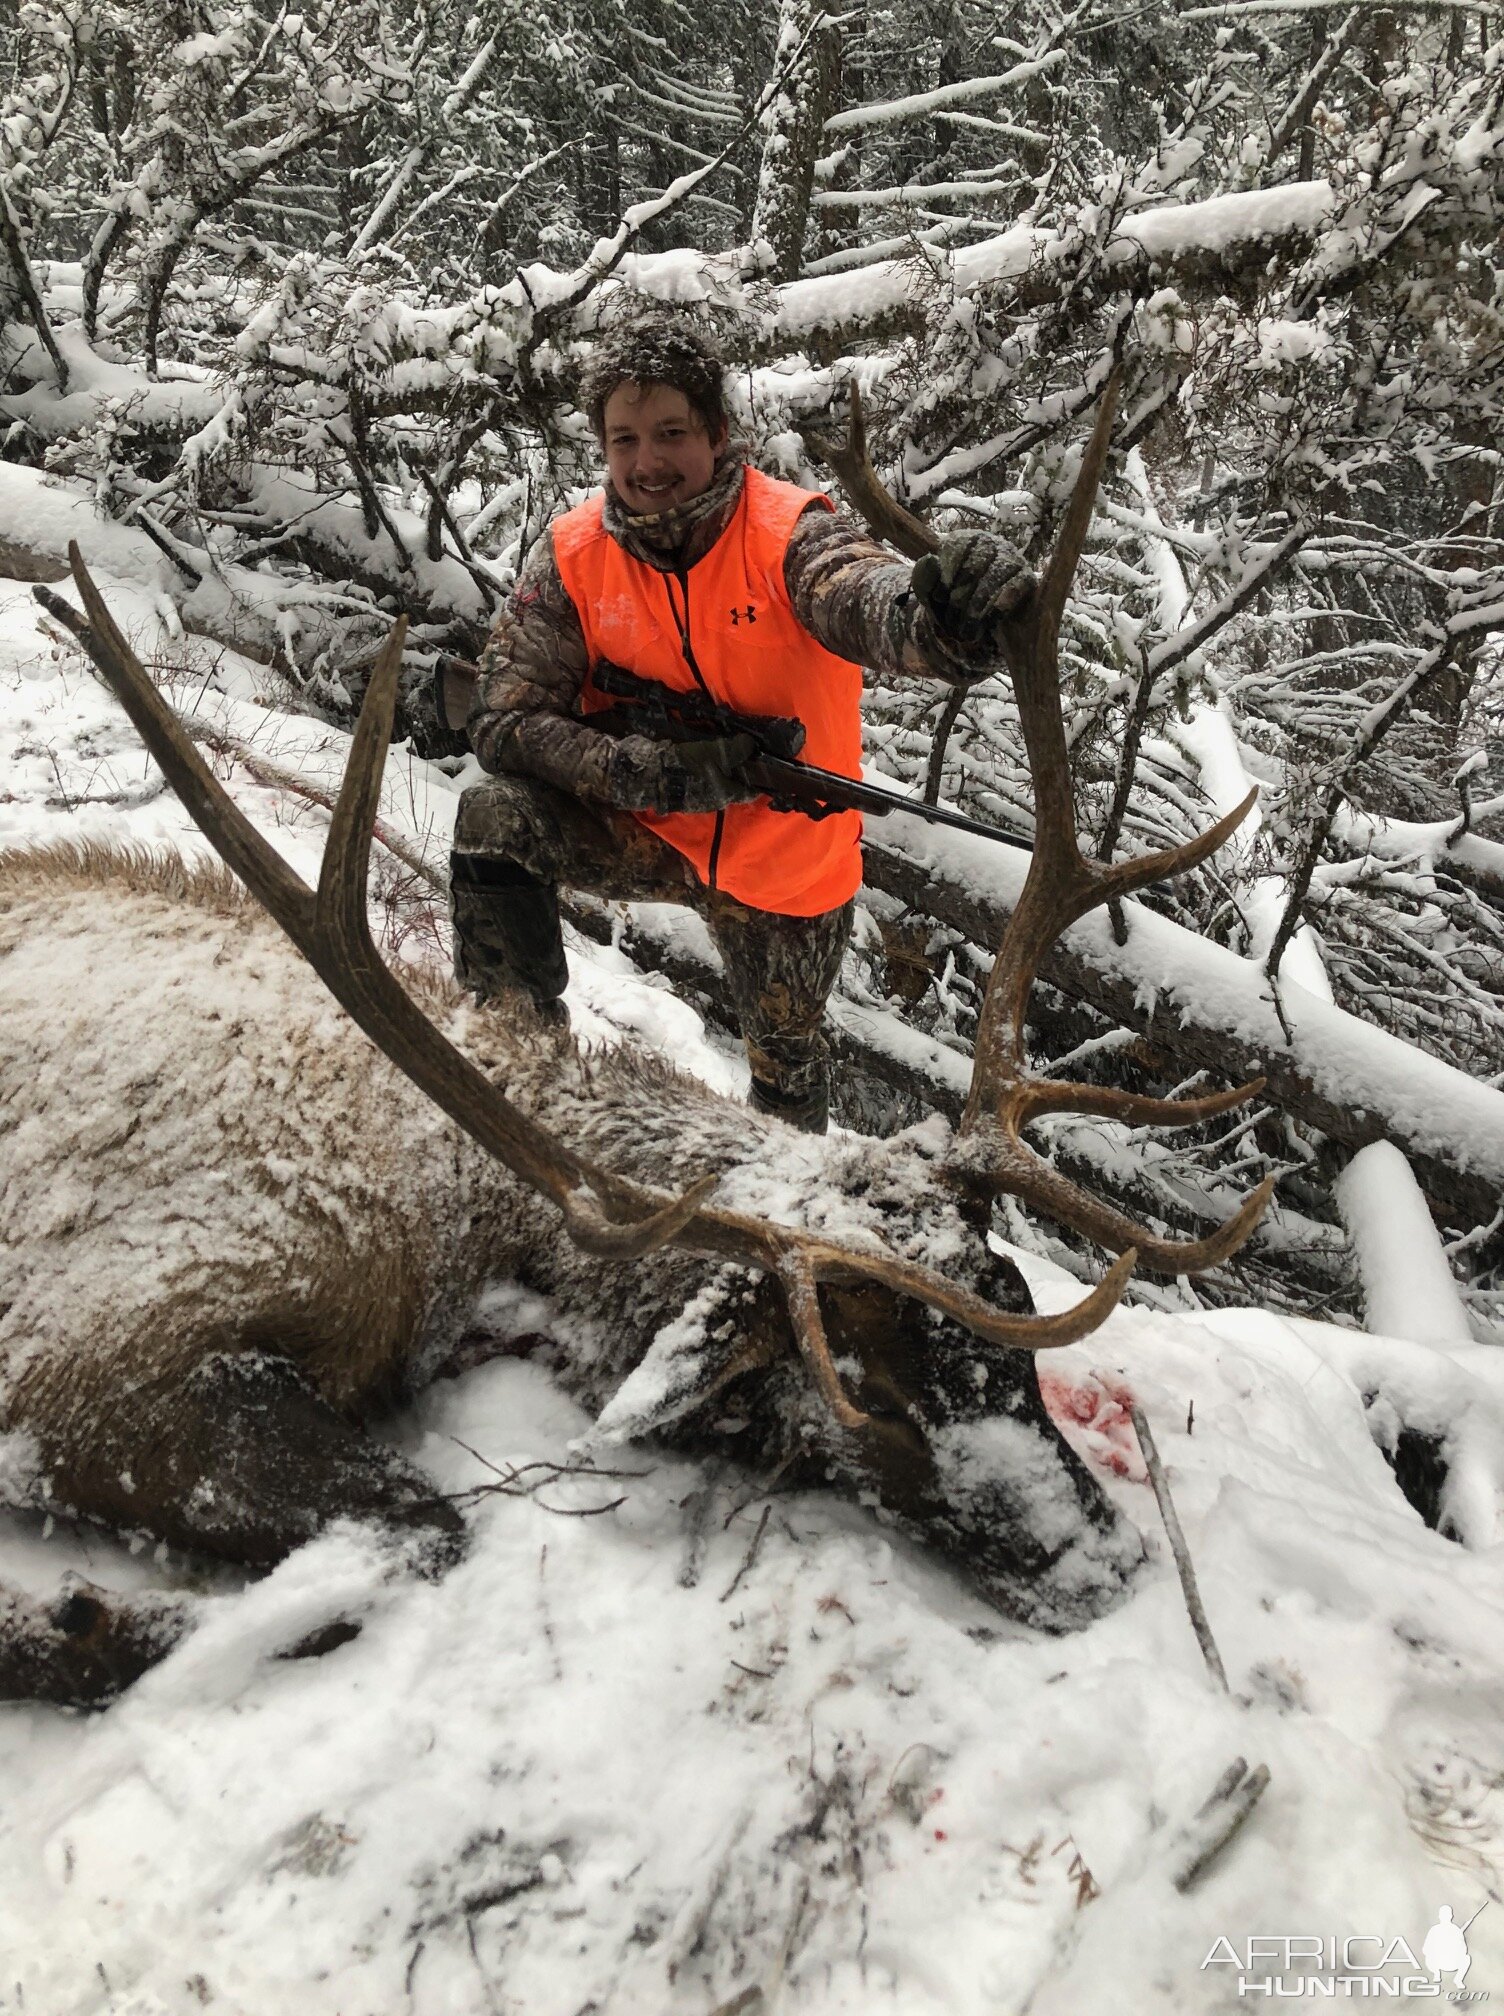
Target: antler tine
pixel 883 513
pixel 856 434
pixel 332 932
pixel 1062 886
pixel 1123 877
pixel 798 1280
pixel 1050 602
pixel 1039 1096
pixel 235 840
pixel 799 1273
pixel 1014 1166
pixel 629 1240
pixel 1031 645
pixel 839 1266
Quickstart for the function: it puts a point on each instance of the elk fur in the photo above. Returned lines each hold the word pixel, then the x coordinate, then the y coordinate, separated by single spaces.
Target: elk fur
pixel 209 1173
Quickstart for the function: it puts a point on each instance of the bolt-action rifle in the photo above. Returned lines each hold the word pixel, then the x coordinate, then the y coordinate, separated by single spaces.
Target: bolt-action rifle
pixel 664 714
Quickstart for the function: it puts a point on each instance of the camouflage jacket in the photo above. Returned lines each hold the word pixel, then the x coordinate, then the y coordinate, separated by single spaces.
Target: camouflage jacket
pixel 847 591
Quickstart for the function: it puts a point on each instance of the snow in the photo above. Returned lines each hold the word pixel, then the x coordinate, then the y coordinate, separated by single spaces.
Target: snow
pixel 1407 1281
pixel 93 381
pixel 893 109
pixel 1282 342
pixel 560 1775
pixel 882 287
pixel 1427 843
pixel 51 511
pixel 710 1740
pixel 1408 1290
pixel 1207 735
pixel 257 607
pixel 1169 231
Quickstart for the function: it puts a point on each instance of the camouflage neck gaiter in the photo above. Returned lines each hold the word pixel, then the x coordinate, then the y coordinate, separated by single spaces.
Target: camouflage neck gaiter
pixel 679 537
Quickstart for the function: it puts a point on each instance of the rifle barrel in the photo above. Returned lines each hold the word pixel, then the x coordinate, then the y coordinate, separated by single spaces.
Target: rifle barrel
pixel 936 815
pixel 861 796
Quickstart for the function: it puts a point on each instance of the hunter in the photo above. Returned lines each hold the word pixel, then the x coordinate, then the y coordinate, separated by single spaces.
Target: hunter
pixel 695 569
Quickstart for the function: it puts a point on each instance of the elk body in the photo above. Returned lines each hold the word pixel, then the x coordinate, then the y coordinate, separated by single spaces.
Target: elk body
pixel 232 1229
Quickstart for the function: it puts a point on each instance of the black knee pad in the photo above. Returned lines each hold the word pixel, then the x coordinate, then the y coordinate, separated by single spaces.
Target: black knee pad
pixel 487 871
pixel 506 928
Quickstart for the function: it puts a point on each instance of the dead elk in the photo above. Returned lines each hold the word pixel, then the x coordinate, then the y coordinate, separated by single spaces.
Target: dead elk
pixel 231 1231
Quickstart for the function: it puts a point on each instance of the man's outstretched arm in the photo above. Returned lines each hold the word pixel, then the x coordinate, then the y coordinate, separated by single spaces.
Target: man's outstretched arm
pixel 931 622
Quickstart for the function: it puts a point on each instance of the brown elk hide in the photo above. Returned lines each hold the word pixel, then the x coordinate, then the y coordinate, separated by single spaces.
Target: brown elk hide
pixel 231 1228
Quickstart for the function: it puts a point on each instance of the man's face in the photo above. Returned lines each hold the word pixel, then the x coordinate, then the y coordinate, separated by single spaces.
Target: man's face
pixel 659 452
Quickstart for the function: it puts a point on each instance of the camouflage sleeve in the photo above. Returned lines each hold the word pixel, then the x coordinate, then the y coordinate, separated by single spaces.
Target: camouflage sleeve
pixel 854 597
pixel 532 669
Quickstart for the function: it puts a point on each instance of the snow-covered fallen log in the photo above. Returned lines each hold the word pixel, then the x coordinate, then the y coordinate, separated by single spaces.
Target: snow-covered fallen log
pixel 1212 1010
pixel 309 629
pixel 1447 845
pixel 1408 1290
pixel 1223 233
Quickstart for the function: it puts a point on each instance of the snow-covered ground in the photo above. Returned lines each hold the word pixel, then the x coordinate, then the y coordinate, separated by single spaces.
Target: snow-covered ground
pixel 706 1748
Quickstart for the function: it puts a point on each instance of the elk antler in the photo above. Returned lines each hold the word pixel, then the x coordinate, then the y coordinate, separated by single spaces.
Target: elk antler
pixel 1062 886
pixel 331 930
pixel 885 516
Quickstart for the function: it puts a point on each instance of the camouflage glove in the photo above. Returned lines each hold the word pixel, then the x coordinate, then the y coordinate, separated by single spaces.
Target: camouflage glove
pixel 687 776
pixel 971 586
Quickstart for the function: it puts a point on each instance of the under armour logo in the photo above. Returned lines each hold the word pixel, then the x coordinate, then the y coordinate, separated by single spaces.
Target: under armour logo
pixel 750 612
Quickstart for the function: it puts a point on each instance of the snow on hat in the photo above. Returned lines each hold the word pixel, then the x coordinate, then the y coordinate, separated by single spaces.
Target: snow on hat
pixel 656 348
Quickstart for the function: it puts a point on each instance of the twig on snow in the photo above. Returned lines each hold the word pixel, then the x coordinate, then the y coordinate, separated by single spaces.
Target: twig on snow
pixel 548 1623
pixel 1218 1819
pixel 1225 1809
pixel 277 779
pixel 750 2002
pixel 62 789
pixel 509 1483
pixel 750 1556
pixel 699 1505
pixel 1178 1548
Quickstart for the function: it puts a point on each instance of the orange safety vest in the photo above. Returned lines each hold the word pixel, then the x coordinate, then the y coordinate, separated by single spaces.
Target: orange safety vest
pixel 726 625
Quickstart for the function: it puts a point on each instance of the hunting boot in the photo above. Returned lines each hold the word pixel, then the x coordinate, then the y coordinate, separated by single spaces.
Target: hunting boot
pixel 507 933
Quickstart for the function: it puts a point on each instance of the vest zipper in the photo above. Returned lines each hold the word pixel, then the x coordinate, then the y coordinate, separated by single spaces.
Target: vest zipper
pixel 681 624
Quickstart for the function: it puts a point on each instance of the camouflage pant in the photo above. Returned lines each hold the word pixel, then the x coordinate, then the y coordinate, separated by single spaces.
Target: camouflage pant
pixel 517 840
